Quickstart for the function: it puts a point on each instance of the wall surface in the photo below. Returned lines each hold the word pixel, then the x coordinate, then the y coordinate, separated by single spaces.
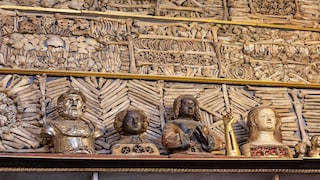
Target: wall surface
pixel 231 55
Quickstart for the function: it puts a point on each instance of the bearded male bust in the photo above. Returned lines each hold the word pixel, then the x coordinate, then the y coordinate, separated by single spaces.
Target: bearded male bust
pixel 69 134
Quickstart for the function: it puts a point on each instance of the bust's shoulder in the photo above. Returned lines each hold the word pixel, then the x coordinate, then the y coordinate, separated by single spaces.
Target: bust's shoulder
pixel 314 153
pixel 246 149
pixel 266 150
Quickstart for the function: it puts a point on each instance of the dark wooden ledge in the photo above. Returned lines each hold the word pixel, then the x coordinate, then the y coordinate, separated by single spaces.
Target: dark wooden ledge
pixel 162 163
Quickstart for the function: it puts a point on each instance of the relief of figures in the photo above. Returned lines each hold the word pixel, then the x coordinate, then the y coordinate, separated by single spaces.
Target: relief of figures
pixel 190 49
pixel 59 42
pixel 265 54
pixel 173 8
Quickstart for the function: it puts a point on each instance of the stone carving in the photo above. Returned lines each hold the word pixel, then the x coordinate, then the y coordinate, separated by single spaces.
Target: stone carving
pixel 300 150
pixel 239 71
pixel 186 8
pixel 20 115
pixel 294 12
pixel 147 7
pixel 70 134
pixel 193 49
pixel 194 9
pixel 257 51
pixel 185 133
pixel 95 44
pixel 265 138
pixel 8 112
pixel 279 8
pixel 315 147
pixel 131 124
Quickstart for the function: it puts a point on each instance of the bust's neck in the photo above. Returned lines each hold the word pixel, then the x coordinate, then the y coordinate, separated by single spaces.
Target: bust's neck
pixel 186 117
pixel 133 139
pixel 68 118
pixel 265 137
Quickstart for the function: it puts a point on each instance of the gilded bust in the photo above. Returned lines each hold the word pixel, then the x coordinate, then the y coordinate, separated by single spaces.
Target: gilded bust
pixel 69 133
pixel 185 133
pixel 315 147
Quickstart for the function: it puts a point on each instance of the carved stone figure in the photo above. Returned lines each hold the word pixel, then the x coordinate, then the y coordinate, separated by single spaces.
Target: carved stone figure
pixel 185 133
pixel 70 134
pixel 8 112
pixel 301 149
pixel 315 147
pixel 264 139
pixel 131 124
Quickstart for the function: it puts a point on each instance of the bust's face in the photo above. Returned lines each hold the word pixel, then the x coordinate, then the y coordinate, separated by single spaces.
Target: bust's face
pixel 72 107
pixel 318 141
pixel 266 120
pixel 187 108
pixel 133 123
pixel 4 121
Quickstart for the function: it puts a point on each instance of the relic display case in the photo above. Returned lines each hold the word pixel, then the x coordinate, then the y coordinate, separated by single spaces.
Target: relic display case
pixel 229 56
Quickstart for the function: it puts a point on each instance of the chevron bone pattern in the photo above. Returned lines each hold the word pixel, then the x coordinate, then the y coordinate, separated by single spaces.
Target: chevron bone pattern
pixel 28 102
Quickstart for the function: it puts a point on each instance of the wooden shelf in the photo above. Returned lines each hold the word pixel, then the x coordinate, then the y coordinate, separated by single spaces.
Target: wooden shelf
pixel 163 163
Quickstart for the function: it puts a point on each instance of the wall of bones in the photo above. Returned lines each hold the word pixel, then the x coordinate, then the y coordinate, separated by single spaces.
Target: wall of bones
pixel 28 104
pixel 177 48
pixel 237 40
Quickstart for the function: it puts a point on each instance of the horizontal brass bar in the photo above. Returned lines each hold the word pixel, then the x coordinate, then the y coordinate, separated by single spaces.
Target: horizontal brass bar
pixel 161 77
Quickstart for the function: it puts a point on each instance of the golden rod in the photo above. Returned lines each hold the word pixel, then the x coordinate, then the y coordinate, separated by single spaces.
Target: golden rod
pixel 160 77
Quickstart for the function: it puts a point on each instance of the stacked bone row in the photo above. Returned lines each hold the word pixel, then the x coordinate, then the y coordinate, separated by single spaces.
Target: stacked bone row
pixel 191 49
pixel 294 12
